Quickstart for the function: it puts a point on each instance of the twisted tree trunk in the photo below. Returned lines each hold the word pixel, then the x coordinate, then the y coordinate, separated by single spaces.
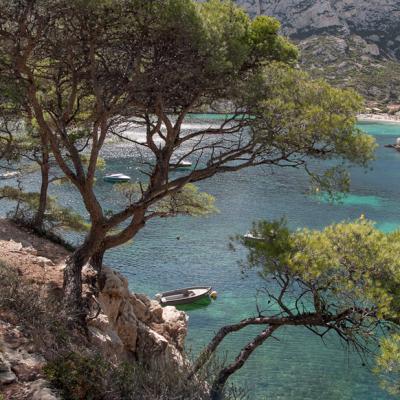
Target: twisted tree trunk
pixel 72 287
pixel 96 261
pixel 73 301
pixel 44 169
pixel 218 385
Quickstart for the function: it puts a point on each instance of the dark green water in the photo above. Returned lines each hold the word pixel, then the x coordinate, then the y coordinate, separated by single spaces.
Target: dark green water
pixel 298 366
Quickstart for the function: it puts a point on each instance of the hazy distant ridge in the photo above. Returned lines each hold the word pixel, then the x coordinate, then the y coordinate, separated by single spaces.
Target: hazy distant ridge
pixel 350 42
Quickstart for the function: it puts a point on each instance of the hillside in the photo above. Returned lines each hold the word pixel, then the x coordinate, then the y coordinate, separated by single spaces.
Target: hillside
pixel 352 43
pixel 39 352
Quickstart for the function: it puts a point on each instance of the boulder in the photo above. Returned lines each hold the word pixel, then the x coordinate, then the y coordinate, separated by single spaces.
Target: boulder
pixel 7 376
pixel 143 298
pixel 15 246
pixel 39 390
pixel 372 49
pixel 30 250
pixel 43 262
pixel 155 349
pixel 106 338
pixel 141 310
pixel 175 325
pixel 151 345
pixel 156 311
pixel 113 283
pixel 126 326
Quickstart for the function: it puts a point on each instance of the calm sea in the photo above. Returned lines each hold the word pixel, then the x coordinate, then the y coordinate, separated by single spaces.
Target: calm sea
pixel 184 251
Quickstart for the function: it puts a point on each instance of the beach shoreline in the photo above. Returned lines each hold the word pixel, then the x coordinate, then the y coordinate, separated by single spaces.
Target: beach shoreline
pixel 386 118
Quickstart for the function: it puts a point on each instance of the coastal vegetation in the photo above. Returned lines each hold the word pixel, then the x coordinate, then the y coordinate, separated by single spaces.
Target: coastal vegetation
pixel 76 367
pixel 343 280
pixel 81 73
pixel 88 70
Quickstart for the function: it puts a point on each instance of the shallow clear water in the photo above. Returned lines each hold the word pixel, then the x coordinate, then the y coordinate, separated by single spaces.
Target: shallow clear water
pixel 298 366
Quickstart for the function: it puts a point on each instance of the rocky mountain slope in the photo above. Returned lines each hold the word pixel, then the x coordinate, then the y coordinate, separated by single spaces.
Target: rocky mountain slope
pixel 127 327
pixel 352 43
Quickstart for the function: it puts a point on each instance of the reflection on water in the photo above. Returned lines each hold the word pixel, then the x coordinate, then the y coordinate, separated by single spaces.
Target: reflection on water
pixel 298 366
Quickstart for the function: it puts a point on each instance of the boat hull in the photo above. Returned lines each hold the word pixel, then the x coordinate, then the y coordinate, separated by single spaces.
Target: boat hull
pixel 181 167
pixel 115 180
pixel 248 237
pixel 200 294
pixel 9 175
pixel 184 165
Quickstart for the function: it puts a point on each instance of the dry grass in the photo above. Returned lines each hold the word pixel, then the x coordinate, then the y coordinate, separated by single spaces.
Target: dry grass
pixel 39 313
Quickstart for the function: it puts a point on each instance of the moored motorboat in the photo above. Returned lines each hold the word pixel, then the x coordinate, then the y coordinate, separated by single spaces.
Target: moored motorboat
pixel 183 164
pixel 251 237
pixel 117 178
pixel 185 295
pixel 9 175
pixel 395 146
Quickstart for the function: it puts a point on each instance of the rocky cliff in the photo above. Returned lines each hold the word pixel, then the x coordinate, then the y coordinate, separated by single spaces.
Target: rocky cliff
pixel 124 326
pixel 353 43
pixel 131 326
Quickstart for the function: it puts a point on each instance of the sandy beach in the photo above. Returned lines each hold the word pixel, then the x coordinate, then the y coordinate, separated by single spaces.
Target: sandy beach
pixel 387 118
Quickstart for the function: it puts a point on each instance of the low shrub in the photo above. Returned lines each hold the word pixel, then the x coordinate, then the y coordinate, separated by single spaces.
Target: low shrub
pixel 78 376
pixel 19 297
pixel 91 377
pixel 40 314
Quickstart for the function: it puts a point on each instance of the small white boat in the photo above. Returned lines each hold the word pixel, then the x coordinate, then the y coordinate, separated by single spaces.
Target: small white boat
pixel 185 295
pixel 251 237
pixel 184 164
pixel 395 146
pixel 115 178
pixel 9 175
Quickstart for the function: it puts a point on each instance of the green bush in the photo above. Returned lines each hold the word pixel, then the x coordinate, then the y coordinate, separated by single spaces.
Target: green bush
pixel 88 376
pixel 78 376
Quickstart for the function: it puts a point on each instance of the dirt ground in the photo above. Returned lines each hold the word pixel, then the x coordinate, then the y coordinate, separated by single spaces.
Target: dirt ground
pixel 36 257
pixel 41 262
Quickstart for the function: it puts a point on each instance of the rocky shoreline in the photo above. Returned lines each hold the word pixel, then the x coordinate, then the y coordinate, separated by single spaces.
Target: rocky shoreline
pixel 129 327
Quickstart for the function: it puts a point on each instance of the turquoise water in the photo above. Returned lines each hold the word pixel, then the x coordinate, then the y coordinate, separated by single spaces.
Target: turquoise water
pixel 298 366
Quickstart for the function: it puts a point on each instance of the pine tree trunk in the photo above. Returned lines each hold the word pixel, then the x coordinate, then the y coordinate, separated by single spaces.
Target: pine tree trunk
pixel 96 261
pixel 73 301
pixel 39 216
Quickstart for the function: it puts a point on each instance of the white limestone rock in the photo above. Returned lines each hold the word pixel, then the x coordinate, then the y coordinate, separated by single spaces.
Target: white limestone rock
pixel 39 390
pixel 30 250
pixel 7 376
pixel 44 262
pixel 106 338
pixel 134 326
pixel 15 246
pixel 176 325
